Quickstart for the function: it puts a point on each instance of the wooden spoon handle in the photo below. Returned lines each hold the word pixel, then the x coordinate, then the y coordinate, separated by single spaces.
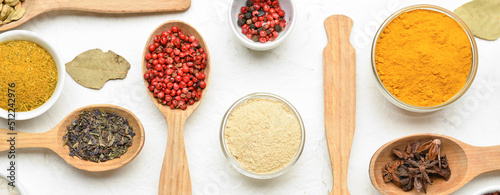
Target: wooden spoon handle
pixel 26 140
pixel 174 178
pixel 483 159
pixel 121 6
pixel 339 77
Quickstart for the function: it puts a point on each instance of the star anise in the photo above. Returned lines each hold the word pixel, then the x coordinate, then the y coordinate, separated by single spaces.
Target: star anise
pixel 421 170
pixel 418 183
pixel 409 152
pixel 400 154
pixel 389 171
pixel 405 178
pixel 414 148
pixel 398 174
pixel 443 171
pixel 434 148
pixel 416 164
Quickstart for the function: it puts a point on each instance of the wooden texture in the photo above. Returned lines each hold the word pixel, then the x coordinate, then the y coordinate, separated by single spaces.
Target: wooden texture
pixel 174 176
pixel 465 161
pixel 339 80
pixel 53 140
pixel 37 7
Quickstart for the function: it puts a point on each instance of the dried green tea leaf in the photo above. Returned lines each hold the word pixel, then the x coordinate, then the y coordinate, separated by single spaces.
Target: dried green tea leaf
pixel 88 136
pixel 482 17
pixel 94 67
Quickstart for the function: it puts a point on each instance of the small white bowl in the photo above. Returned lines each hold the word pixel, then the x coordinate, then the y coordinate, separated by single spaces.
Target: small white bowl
pixel 290 15
pixel 61 71
pixel 17 184
pixel 490 189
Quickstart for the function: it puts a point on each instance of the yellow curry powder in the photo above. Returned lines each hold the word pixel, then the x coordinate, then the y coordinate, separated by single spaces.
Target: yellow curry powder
pixel 423 57
pixel 33 71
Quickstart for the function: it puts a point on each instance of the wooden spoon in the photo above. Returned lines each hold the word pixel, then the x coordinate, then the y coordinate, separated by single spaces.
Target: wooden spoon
pixel 339 80
pixel 37 7
pixel 174 178
pixel 53 139
pixel 465 161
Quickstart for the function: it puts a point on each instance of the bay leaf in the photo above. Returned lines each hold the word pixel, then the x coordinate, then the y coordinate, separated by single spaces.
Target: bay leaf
pixel 482 17
pixel 93 68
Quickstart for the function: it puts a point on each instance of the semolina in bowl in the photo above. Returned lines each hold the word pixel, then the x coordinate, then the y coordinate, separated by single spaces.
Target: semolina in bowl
pixel 424 58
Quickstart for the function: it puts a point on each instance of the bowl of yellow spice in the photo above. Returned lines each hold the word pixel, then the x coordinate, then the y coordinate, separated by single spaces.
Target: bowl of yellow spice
pixel 424 58
pixel 31 75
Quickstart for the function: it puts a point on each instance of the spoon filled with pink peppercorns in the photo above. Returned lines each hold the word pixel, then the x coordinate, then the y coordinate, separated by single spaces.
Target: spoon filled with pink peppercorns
pixel 176 72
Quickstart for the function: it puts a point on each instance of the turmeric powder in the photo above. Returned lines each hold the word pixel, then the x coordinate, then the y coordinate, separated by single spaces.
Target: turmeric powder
pixel 423 57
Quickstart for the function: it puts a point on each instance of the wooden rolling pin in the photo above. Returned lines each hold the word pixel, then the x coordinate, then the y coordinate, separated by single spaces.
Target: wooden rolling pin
pixel 339 85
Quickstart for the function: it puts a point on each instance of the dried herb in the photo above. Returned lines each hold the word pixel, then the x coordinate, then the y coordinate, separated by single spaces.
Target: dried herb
pixel 482 17
pixel 98 136
pixel 94 67
pixel 416 164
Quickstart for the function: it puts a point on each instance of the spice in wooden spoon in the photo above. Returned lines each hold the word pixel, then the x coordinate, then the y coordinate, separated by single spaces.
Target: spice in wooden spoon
pixel 176 63
pixel 11 10
pixel 416 164
pixel 52 139
pixel 466 162
pixel 98 136
pixel 174 176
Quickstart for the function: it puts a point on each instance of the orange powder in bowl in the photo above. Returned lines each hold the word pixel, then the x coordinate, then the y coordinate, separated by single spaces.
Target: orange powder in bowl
pixel 423 57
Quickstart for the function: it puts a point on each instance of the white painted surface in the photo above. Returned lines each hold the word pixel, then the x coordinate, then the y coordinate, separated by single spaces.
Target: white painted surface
pixel 293 71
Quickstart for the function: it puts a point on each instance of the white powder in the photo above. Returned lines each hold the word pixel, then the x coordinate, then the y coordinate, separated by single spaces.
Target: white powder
pixel 6 189
pixel 263 135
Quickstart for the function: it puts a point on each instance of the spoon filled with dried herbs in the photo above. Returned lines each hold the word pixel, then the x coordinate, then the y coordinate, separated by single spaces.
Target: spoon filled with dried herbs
pixel 429 163
pixel 92 138
pixel 176 85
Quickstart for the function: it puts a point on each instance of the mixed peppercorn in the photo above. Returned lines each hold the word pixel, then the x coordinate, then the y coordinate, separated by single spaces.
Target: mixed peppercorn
pixel 175 68
pixel 261 20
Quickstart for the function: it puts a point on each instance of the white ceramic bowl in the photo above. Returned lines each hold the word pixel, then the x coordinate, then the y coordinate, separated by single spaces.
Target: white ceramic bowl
pixel 17 184
pixel 290 15
pixel 61 71
pixel 490 189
